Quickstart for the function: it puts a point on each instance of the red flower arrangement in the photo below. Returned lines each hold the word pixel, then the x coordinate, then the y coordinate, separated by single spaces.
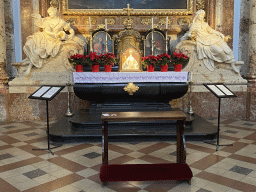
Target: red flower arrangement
pixel 163 59
pixel 149 60
pixel 77 59
pixel 108 59
pixel 94 59
pixel 179 58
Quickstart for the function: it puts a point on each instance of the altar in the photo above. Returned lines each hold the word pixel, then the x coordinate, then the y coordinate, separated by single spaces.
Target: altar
pixel 128 92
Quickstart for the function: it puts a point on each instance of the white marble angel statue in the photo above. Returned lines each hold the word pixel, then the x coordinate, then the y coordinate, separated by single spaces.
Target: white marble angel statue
pixel 210 44
pixel 49 41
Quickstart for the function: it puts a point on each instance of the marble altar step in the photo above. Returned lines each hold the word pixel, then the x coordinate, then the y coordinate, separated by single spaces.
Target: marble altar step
pixel 85 125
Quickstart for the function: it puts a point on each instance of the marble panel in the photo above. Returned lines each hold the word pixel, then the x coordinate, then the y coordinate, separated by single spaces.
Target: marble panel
pixel 22 108
pixel 206 104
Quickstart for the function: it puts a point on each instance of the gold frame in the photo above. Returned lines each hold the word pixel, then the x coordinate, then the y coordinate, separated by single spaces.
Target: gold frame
pixel 129 70
pixel 120 12
pixel 111 38
pixel 147 36
pixel 129 39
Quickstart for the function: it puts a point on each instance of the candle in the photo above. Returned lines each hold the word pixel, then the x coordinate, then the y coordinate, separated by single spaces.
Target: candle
pixel 90 22
pixel 190 76
pixel 106 24
pixel 152 22
pixel 167 22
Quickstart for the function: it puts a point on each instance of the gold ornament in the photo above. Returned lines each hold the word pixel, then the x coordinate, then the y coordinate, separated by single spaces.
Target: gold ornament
pixel 200 4
pixel 131 88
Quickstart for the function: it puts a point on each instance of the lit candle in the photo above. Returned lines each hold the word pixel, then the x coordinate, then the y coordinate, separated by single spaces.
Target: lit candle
pixel 167 22
pixel 106 24
pixel 90 22
pixel 152 22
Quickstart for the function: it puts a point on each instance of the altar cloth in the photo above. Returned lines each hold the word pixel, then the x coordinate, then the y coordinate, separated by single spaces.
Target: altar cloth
pixel 125 77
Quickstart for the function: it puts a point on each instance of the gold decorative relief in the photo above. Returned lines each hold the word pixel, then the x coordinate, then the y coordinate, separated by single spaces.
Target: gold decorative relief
pixel 146 21
pixel 128 23
pixel 131 88
pixel 93 21
pixel 200 4
pixel 100 26
pixel 129 11
pixel 111 21
pixel 54 3
pixel 183 21
pixel 129 33
pixel 162 21
pixel 72 21
pixel 156 26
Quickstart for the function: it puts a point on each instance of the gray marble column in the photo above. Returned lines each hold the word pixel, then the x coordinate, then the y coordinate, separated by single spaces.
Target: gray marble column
pixel 3 75
pixel 251 70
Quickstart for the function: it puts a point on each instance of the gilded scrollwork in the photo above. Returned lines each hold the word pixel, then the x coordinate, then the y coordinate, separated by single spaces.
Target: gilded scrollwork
pixel 200 4
pixel 128 23
pixel 156 26
pixel 93 21
pixel 100 26
pixel 136 12
pixel 54 3
pixel 111 21
pixel 183 21
pixel 146 21
pixel 72 21
pixel 129 32
pixel 162 21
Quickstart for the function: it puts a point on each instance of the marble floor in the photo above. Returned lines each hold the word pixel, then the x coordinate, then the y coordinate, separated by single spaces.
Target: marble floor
pixel 74 167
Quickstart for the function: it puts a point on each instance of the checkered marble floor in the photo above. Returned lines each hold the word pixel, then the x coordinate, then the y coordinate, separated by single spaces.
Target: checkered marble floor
pixel 74 167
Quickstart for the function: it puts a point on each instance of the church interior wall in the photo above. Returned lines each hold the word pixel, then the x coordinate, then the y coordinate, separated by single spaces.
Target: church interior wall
pixel 204 104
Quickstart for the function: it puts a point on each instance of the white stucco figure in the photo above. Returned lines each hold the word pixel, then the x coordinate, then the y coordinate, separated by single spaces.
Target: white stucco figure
pixel 210 44
pixel 51 41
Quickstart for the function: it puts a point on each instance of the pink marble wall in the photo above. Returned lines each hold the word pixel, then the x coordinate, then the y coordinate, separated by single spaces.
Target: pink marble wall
pixel 206 104
pixel 22 108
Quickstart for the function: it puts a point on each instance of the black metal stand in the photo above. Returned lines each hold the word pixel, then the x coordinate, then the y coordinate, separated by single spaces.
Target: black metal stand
pixel 48 138
pixel 218 133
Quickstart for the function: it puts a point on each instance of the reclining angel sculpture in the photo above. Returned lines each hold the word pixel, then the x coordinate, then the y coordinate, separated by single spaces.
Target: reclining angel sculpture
pixel 49 41
pixel 210 44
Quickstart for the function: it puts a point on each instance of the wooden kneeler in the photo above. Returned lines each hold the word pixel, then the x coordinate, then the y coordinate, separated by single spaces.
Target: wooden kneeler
pixel 145 172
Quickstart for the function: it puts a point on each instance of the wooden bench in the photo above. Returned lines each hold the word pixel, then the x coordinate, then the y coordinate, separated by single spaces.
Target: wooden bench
pixel 141 172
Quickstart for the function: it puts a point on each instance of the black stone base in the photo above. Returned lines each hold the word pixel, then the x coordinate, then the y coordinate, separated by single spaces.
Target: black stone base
pixel 87 126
